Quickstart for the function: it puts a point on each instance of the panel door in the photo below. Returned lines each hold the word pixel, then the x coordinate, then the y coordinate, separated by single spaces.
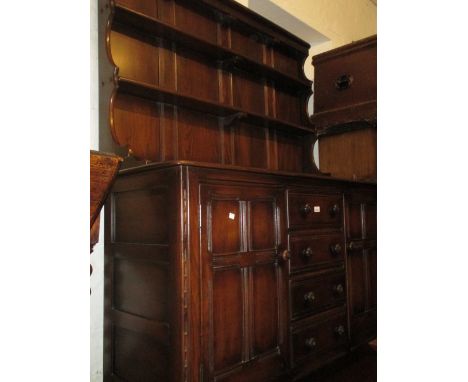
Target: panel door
pixel 243 281
pixel 361 229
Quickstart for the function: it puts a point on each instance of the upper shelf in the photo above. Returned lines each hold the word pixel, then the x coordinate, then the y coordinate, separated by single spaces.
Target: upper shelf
pixel 158 94
pixel 126 18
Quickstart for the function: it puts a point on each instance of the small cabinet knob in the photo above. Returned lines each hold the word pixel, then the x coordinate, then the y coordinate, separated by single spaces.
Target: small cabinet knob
pixel 309 297
pixel 335 210
pixel 307 252
pixel 310 342
pixel 306 209
pixel 340 330
pixel 285 255
pixel 338 289
pixel 336 249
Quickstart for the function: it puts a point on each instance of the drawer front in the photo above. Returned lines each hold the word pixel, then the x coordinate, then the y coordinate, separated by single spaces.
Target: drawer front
pixel 310 251
pixel 324 337
pixel 317 293
pixel 315 211
pixel 346 80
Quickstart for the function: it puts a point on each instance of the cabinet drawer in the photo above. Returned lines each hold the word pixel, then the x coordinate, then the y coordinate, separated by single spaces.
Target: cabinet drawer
pixel 314 211
pixel 323 337
pixel 309 251
pixel 317 293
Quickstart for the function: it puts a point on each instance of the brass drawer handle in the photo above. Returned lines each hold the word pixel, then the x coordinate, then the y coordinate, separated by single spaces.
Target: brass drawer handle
pixel 285 255
pixel 355 246
pixel 344 82
pixel 309 297
pixel 306 209
pixel 336 249
pixel 307 252
pixel 340 330
pixel 310 343
pixel 338 289
pixel 334 210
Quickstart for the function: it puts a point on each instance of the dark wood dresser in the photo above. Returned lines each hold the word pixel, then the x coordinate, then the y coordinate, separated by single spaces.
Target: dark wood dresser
pixel 228 255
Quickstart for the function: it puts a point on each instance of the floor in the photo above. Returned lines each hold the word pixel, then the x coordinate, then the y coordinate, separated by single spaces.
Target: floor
pixel 359 367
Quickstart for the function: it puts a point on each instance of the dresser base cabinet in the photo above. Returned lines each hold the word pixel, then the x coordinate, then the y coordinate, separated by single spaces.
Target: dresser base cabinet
pixel 217 274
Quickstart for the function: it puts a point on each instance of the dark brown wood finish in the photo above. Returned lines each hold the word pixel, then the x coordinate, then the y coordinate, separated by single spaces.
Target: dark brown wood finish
pixel 202 272
pixel 226 258
pixel 345 110
pixel 210 72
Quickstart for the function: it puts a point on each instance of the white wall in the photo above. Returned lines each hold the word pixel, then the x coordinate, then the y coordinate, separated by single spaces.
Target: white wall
pixel 97 257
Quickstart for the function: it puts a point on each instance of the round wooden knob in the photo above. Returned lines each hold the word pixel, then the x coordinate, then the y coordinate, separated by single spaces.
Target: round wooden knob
pixel 335 210
pixel 285 255
pixel 339 289
pixel 309 297
pixel 306 209
pixel 340 330
pixel 310 343
pixel 336 248
pixel 307 252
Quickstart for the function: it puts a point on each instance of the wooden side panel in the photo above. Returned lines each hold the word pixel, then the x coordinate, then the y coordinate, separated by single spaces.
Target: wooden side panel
pixel 143 308
pixel 139 358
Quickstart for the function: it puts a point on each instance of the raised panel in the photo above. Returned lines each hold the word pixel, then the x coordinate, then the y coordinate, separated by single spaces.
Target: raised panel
pixel 138 357
pixel 265 308
pixel 136 59
pixel 136 283
pixel 227 318
pixel 225 226
pixel 141 216
pixel 262 224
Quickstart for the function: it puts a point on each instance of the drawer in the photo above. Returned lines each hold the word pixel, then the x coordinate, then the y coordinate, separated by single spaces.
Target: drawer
pixel 346 76
pixel 317 293
pixel 326 336
pixel 314 211
pixel 313 250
